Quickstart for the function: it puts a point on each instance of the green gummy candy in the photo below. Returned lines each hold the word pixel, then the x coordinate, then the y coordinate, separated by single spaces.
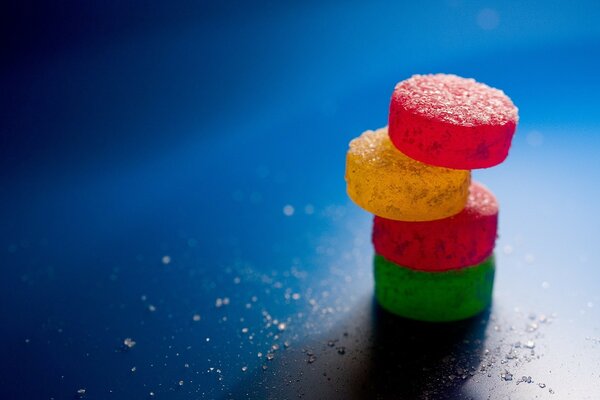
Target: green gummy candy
pixel 434 296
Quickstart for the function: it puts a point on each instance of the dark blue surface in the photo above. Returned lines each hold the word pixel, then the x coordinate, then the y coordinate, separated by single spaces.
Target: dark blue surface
pixel 131 133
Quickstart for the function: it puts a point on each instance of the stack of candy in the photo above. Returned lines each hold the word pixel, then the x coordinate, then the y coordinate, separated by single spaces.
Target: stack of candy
pixel 434 230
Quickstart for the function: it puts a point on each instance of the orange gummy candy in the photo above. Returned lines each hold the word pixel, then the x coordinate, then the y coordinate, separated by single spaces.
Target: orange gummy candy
pixel 387 183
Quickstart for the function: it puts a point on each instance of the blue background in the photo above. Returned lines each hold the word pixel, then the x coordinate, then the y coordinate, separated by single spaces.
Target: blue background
pixel 132 131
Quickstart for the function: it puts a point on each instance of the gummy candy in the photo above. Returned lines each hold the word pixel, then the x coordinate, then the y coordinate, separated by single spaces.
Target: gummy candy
pixel 387 183
pixel 452 122
pixel 434 296
pixel 466 238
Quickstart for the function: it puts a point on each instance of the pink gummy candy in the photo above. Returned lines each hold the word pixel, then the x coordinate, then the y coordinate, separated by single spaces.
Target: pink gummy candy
pixel 452 122
pixel 462 240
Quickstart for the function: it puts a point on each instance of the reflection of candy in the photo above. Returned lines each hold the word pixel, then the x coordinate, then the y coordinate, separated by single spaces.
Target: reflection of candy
pixel 387 183
pixel 434 296
pixel 452 122
pixel 466 238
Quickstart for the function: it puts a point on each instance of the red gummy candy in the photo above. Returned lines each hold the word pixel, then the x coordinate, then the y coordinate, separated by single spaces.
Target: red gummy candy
pixel 462 240
pixel 452 122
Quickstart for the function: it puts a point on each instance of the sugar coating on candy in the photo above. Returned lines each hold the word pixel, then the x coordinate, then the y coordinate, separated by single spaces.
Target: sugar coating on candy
pixel 387 183
pixel 455 100
pixel 466 238
pixel 450 121
pixel 434 296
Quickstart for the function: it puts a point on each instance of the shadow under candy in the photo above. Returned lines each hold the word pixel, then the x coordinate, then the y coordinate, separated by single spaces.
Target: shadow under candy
pixel 413 360
pixel 373 354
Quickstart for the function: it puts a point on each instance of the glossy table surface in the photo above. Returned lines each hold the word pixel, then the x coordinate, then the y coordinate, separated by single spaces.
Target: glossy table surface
pixel 175 223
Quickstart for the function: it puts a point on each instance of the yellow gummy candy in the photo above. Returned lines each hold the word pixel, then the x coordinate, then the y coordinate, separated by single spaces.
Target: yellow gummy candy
pixel 389 184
